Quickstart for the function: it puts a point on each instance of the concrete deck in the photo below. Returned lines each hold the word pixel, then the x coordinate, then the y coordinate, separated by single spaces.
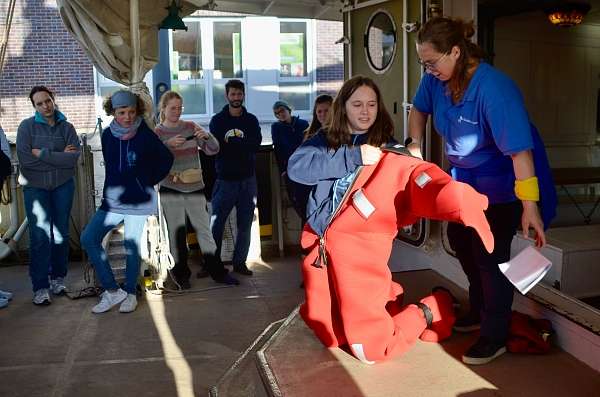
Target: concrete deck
pixel 182 344
pixel 298 365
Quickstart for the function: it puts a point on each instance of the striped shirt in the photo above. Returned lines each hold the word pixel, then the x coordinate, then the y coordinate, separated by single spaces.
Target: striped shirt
pixel 186 155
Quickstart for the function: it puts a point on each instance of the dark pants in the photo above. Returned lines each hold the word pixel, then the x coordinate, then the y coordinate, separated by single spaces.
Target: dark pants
pixel 242 195
pixel 490 293
pixel 178 208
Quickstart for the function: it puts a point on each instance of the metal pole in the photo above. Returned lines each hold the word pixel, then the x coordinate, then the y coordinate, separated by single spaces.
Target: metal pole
pixel 134 29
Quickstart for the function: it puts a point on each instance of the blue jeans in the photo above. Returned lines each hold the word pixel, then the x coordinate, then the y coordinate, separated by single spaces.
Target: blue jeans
pixel 91 240
pixel 48 214
pixel 241 195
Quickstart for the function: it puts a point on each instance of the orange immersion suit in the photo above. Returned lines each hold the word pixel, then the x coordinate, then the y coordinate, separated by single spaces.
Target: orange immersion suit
pixel 350 296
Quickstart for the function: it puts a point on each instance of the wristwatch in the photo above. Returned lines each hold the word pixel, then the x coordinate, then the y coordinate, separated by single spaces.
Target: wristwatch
pixel 412 141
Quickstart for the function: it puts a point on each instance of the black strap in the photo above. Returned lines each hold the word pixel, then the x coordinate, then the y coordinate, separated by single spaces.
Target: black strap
pixel 426 312
pixel 396 148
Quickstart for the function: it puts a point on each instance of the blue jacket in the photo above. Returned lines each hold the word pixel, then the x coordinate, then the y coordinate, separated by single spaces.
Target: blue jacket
pixel 132 168
pixel 313 163
pixel 286 138
pixel 239 140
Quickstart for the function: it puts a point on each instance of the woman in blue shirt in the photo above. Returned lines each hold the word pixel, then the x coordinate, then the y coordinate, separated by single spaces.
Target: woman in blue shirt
pixel 488 137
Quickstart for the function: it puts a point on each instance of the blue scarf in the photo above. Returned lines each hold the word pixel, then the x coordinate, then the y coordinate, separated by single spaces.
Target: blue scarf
pixel 123 133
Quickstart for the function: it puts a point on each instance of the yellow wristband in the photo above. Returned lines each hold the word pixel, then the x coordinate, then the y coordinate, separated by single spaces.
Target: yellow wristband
pixel 527 189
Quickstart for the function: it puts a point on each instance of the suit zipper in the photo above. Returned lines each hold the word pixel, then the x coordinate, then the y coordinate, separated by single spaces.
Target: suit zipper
pixel 321 259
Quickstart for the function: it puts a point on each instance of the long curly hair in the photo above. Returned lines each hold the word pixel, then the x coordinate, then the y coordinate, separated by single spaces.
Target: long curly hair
pixel 140 107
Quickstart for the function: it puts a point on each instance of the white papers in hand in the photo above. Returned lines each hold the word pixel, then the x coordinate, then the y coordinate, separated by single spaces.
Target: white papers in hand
pixel 526 269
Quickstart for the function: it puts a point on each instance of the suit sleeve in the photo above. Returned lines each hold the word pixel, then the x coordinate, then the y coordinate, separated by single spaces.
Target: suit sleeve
pixel 313 161
pixel 434 195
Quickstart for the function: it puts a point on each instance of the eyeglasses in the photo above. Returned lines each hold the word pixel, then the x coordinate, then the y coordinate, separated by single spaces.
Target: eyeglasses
pixel 432 65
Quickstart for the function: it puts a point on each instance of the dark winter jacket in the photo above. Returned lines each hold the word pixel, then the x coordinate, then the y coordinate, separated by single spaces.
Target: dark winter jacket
pixel 132 169
pixel 239 140
pixel 286 138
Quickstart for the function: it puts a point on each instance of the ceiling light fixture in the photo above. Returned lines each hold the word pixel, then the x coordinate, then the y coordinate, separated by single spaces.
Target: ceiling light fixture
pixel 173 20
pixel 566 15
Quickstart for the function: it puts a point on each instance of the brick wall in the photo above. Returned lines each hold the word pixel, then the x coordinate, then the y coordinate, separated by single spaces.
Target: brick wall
pixel 41 51
pixel 330 57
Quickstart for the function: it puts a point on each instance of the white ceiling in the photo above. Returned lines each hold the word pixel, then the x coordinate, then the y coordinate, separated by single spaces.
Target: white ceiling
pixel 318 9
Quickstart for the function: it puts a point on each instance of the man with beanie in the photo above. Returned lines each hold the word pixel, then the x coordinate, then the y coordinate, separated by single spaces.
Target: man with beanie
pixel 287 134
pixel 238 133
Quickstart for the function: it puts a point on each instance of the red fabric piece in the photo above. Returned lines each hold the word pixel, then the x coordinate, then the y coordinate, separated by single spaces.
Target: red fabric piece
pixel 528 335
pixel 440 304
pixel 352 299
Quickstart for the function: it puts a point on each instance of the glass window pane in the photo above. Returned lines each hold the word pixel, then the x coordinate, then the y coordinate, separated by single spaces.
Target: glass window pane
pixel 108 90
pixel 219 99
pixel 292 49
pixel 186 57
pixel 228 50
pixel 194 99
pixel 381 41
pixel 296 94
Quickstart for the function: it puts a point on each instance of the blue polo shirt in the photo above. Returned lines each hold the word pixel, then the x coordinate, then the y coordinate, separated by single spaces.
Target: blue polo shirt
pixel 481 131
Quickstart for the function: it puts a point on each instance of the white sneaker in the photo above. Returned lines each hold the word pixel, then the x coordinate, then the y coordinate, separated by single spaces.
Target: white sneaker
pixel 129 304
pixel 6 295
pixel 3 302
pixel 109 300
pixel 57 286
pixel 41 297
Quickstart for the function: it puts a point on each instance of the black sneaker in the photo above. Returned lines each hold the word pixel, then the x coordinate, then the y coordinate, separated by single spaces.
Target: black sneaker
pixel 483 351
pixel 242 269
pixel 469 323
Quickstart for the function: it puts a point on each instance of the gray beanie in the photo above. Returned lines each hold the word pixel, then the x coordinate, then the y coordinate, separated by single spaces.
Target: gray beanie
pixel 281 104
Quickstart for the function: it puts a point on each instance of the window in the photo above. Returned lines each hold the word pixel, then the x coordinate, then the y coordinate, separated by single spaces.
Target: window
pixel 227 39
pixel 380 43
pixel 187 53
pixel 214 49
pixel 187 72
pixel 294 82
pixel 228 50
pixel 292 49
pixel 107 87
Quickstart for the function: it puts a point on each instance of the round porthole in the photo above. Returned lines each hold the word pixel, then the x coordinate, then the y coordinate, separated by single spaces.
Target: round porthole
pixel 380 41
